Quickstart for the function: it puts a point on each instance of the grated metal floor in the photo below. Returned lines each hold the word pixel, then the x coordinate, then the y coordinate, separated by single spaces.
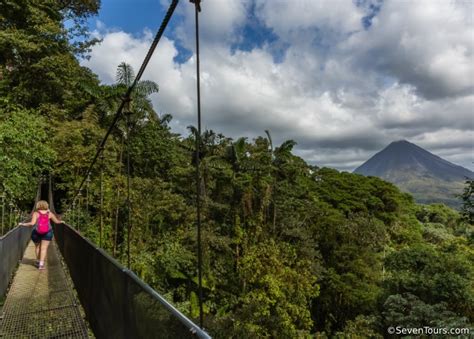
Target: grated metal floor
pixel 41 304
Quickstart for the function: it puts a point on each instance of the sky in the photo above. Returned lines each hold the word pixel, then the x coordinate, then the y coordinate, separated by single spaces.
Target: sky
pixel 343 78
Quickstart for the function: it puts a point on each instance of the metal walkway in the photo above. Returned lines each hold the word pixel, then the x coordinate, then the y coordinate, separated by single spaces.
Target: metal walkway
pixel 41 304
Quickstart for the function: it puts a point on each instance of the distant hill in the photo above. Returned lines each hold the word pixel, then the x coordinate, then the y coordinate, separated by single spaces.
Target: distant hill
pixel 415 170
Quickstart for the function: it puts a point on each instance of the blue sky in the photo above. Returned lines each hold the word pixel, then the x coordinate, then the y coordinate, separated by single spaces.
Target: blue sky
pixel 343 78
pixel 131 16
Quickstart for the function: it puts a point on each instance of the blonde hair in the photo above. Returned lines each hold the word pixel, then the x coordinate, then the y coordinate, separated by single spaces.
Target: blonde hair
pixel 42 205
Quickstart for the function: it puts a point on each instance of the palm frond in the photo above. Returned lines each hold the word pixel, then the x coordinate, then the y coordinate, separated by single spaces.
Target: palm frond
pixel 267 132
pixel 146 87
pixel 165 119
pixel 125 74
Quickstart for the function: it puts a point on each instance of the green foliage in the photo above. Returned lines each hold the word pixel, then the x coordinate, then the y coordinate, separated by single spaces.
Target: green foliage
pixel 360 327
pixel 37 66
pixel 437 213
pixel 25 152
pixel 279 287
pixel 409 311
pixel 438 276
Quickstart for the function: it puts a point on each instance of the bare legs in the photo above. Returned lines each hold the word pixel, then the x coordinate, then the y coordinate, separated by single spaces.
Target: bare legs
pixel 37 250
pixel 41 249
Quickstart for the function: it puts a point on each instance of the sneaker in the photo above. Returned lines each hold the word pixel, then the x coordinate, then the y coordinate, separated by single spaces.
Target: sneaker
pixel 41 265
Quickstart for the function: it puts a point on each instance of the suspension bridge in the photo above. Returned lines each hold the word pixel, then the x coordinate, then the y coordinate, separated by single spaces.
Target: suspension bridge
pixel 84 292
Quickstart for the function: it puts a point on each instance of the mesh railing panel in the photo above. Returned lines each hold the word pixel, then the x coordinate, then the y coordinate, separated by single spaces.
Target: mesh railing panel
pixel 12 247
pixel 117 303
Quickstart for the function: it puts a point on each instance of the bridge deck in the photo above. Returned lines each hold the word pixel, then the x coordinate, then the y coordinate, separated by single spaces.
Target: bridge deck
pixel 41 304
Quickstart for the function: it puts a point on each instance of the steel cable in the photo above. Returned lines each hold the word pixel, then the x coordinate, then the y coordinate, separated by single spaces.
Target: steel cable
pixel 197 9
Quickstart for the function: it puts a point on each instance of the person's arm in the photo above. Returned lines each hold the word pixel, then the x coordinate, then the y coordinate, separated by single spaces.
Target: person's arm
pixel 54 218
pixel 34 218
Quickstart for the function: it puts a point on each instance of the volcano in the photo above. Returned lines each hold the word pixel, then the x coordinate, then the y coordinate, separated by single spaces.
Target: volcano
pixel 413 169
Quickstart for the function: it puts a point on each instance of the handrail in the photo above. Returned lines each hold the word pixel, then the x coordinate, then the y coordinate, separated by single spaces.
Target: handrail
pixel 117 303
pixel 8 233
pixel 12 247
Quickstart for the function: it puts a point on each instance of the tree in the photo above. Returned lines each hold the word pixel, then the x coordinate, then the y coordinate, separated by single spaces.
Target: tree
pixel 407 310
pixel 467 198
pixel 37 65
pixel 434 274
pixel 278 290
pixel 25 153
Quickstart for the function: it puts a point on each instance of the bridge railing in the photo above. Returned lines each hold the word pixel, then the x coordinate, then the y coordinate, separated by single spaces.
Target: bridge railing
pixel 116 302
pixel 12 247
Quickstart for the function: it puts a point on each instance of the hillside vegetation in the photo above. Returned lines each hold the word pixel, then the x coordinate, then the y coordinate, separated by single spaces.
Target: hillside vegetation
pixel 290 250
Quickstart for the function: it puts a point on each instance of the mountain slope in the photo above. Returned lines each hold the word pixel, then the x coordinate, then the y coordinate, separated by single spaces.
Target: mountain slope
pixel 415 170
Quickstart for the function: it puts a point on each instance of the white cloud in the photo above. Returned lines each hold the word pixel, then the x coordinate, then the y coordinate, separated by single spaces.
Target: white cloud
pixel 428 44
pixel 217 21
pixel 286 17
pixel 453 145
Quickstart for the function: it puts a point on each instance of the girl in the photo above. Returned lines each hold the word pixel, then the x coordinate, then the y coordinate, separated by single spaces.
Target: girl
pixel 42 233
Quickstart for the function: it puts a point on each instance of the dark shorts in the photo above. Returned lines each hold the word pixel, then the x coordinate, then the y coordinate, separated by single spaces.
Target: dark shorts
pixel 36 237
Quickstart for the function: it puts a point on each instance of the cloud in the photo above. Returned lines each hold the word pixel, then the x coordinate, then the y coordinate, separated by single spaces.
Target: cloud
pixel 451 144
pixel 426 44
pixel 400 108
pixel 290 18
pixel 217 21
pixel 342 89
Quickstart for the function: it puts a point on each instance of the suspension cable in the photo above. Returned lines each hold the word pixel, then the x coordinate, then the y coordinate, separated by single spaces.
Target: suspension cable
pixel 126 97
pixel 3 212
pixel 117 199
pixel 88 181
pixel 78 225
pixel 129 203
pixel 50 195
pixel 101 224
pixel 38 194
pixel 73 211
pixel 197 9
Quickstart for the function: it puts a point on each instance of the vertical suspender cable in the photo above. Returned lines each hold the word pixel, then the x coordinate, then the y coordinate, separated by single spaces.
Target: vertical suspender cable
pixel 129 204
pixel 117 200
pixel 73 218
pixel 3 212
pixel 101 224
pixel 38 195
pixel 197 9
pixel 79 198
pixel 11 213
pixel 88 181
pixel 50 195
